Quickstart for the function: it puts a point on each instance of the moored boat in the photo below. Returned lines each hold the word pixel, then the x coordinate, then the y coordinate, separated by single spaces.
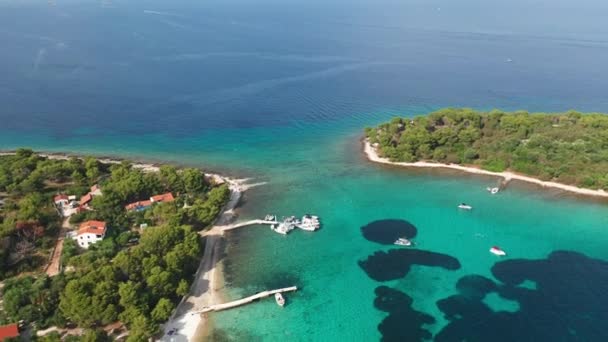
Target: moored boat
pixel 310 223
pixel 283 227
pixel 464 206
pixel 493 191
pixel 278 297
pixel 497 251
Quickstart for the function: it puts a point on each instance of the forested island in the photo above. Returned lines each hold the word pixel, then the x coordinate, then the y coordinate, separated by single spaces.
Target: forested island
pixel 139 263
pixel 569 148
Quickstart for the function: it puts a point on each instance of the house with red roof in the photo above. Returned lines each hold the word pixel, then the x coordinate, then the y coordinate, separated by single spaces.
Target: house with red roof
pixel 167 197
pixel 138 206
pixel 61 200
pixel 9 331
pixel 90 232
pixel 143 205
pixel 86 199
pixel 66 204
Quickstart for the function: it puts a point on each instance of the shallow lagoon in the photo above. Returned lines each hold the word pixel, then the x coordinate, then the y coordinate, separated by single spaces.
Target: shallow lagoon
pixel 280 91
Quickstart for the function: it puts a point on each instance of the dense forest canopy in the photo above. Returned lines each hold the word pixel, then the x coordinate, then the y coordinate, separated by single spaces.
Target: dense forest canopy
pixel 570 148
pixel 132 276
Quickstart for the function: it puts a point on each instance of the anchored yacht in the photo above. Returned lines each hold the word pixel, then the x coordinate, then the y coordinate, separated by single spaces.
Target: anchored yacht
pixel 310 223
pixel 403 242
pixel 497 251
pixel 464 206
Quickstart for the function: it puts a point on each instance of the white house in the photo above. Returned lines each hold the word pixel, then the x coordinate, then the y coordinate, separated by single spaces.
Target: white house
pixel 90 232
pixel 66 205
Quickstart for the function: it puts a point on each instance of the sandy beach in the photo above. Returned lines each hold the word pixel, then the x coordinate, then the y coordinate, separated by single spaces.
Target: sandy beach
pixel 373 156
pixel 208 279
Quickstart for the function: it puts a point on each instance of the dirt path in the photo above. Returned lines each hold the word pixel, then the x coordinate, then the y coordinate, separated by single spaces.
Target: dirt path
pixel 53 268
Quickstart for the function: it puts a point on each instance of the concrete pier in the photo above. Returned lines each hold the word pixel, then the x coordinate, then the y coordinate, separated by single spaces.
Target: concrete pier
pixel 247 223
pixel 244 301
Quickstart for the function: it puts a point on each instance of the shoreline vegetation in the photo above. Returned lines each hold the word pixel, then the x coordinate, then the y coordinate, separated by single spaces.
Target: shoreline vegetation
pixel 459 139
pixel 372 155
pixel 209 277
pixel 200 291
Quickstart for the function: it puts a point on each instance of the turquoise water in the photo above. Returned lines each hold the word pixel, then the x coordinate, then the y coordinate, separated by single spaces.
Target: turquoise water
pixel 280 92
pixel 336 300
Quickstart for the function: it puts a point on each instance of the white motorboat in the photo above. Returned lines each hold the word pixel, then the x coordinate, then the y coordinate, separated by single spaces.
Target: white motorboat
pixel 403 242
pixel 464 206
pixel 282 229
pixel 278 297
pixel 493 191
pixel 308 227
pixel 310 223
pixel 497 251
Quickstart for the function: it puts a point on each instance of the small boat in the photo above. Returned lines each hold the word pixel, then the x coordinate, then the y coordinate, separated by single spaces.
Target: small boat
pixel 493 191
pixel 283 228
pixel 465 206
pixel 403 242
pixel 497 251
pixel 278 297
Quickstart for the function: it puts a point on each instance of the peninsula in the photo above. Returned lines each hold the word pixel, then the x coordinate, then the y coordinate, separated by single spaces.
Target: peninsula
pixel 568 151
pixel 95 247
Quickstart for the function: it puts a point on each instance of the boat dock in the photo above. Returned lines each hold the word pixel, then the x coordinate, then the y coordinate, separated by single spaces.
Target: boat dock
pixel 244 301
pixel 308 222
pixel 248 223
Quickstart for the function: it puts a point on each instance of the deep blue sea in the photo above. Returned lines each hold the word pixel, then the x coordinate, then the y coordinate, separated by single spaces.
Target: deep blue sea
pixel 280 91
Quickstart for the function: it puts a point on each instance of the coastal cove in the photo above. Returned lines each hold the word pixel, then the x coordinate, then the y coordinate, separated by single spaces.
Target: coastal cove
pixel 248 255
pixel 274 97
pixel 258 259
